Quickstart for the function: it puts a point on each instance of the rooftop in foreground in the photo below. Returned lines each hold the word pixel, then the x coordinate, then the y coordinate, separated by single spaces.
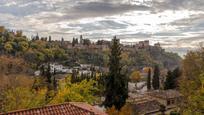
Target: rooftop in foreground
pixel 72 108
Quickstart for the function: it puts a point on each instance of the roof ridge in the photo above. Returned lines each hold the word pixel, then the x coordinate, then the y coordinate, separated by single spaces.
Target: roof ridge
pixel 72 103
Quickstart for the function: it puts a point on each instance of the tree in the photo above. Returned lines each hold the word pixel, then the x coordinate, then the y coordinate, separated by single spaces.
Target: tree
pixel 37 37
pixel 155 80
pixel 125 110
pixel 23 98
pixel 62 39
pixel 176 74
pixel 116 91
pixel 23 46
pixel 149 80
pixel 76 92
pixel 135 77
pixel 190 83
pixel 19 33
pixel 169 83
pixel 171 79
pixel 50 38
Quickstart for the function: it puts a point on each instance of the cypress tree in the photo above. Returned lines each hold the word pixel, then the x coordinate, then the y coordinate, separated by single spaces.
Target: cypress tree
pixel 73 42
pixel 49 74
pixel 50 38
pixel 116 90
pixel 155 80
pixel 149 80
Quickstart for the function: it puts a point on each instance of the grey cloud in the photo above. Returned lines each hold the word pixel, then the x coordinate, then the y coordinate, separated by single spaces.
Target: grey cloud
pixel 175 33
pixel 44 16
pixel 25 8
pixel 95 9
pixel 179 4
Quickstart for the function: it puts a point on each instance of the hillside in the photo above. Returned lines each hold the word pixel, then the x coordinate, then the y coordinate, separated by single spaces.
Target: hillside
pixel 38 50
pixel 132 57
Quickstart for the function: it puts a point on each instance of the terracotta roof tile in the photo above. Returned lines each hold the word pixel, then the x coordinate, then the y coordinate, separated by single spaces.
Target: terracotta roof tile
pixel 74 108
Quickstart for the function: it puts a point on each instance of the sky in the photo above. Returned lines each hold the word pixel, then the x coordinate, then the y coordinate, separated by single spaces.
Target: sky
pixel 178 25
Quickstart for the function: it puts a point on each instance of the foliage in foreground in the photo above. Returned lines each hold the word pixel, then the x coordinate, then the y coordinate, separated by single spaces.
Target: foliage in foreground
pixel 191 83
pixel 125 110
pixel 24 97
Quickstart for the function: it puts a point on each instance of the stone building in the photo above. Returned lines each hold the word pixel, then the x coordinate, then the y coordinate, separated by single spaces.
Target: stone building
pixel 168 98
pixel 143 44
pixel 157 45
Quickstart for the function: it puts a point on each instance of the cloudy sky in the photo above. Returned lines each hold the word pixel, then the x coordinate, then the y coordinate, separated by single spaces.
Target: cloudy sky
pixel 176 24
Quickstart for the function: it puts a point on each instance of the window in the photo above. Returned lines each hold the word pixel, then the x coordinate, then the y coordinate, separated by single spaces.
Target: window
pixel 172 101
pixel 168 102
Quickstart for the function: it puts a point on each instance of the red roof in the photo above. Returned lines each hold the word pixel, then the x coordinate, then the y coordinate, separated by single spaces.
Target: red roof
pixel 74 108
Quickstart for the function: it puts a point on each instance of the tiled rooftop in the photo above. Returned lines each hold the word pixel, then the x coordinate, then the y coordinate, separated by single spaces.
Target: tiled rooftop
pixel 74 108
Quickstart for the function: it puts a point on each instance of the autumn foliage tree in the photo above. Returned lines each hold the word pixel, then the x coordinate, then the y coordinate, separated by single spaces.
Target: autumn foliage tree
pixel 190 83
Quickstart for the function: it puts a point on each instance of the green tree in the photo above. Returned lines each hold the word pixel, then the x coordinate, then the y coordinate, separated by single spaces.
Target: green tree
pixel 1 40
pixel 169 83
pixel 23 46
pixel 116 91
pixel 155 80
pixel 171 79
pixel 149 80
pixel 177 74
pixel 8 47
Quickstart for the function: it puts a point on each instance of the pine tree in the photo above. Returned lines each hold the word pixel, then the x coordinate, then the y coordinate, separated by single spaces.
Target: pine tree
pixel 116 91
pixel 149 80
pixel 155 80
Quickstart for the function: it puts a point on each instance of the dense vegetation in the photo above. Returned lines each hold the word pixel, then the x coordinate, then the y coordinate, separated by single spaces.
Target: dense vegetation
pixel 192 83
pixel 20 90
pixel 35 51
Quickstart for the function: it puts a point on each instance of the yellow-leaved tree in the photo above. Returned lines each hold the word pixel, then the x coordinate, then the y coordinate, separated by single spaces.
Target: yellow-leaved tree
pixel 76 92
pixel 23 98
pixel 125 110
pixel 135 76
